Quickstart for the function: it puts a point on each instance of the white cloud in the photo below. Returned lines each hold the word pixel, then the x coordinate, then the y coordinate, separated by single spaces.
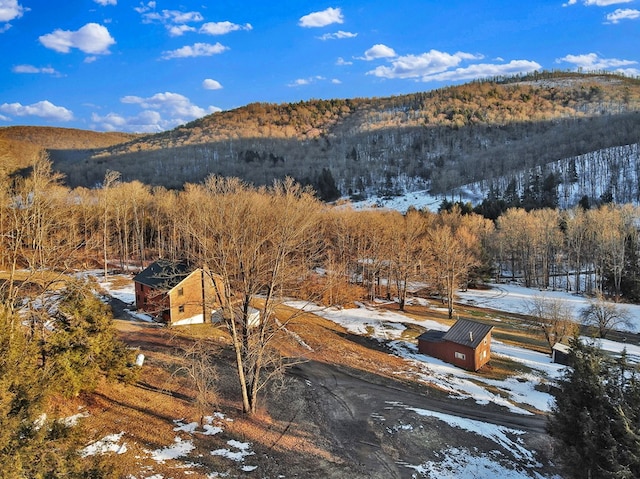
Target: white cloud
pixel 161 111
pixel 623 14
pixel 222 28
pixel 174 17
pixel 179 30
pixel 43 109
pixel 592 61
pixel 597 3
pixel 145 8
pixel 33 69
pixel 322 19
pixel 299 82
pixel 335 81
pixel 104 3
pixel 378 51
pixel 10 10
pixel 306 81
pixel 605 3
pixel 341 61
pixel 175 21
pixel 630 72
pixel 173 103
pixel 145 122
pixel 92 38
pixel 195 50
pixel 210 84
pixel 339 35
pixel 485 70
pixel 416 66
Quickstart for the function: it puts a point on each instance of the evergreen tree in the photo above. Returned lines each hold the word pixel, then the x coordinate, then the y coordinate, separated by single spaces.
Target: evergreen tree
pixel 32 445
pixel 584 203
pixel 83 345
pixel 549 194
pixel 325 186
pixel 510 195
pixel 595 418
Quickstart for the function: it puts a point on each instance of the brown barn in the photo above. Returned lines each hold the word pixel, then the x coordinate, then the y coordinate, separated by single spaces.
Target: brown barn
pixel 467 344
pixel 175 292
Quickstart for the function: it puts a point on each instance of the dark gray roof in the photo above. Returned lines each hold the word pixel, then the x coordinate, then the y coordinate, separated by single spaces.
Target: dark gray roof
pixel 431 335
pixel 164 274
pixel 467 333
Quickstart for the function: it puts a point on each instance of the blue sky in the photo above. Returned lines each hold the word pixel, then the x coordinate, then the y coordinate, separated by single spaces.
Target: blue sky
pixel 120 65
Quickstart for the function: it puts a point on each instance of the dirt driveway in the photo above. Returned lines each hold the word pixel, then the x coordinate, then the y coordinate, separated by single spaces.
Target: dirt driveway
pixel 378 425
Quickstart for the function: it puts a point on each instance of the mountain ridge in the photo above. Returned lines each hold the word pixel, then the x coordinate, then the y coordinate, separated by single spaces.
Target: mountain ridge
pixel 437 140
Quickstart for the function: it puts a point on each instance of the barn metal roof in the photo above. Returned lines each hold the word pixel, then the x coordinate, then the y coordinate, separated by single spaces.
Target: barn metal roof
pixel 164 274
pixel 467 333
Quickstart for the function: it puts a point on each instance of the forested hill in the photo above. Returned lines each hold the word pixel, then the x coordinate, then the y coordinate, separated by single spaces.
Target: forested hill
pixel 19 145
pixel 438 139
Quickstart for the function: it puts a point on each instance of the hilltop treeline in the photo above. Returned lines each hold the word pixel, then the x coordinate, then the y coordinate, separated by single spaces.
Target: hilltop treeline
pixel 435 140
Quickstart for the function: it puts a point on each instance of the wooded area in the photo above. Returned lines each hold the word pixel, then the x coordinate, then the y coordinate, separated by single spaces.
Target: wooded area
pixel 48 225
pixel 270 238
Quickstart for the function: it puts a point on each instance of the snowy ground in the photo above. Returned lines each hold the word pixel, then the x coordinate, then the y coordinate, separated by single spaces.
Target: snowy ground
pixel 388 326
pixel 517 299
pixel 420 200
pixel 237 452
pixel 518 394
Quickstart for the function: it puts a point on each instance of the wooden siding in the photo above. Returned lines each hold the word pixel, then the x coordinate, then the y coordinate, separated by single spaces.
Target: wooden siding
pixel 192 298
pixel 471 358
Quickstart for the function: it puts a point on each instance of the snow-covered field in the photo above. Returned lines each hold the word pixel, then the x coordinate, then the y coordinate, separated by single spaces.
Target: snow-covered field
pixel 517 299
pixel 519 394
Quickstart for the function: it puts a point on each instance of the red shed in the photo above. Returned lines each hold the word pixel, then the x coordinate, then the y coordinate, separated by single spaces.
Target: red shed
pixel 467 344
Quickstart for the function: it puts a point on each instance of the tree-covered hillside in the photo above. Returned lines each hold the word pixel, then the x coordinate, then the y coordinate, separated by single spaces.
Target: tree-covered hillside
pixel 439 139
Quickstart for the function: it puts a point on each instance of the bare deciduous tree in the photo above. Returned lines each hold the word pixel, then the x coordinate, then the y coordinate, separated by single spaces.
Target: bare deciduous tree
pixel 553 318
pixel 449 259
pixel 198 364
pixel 605 316
pixel 111 179
pixel 406 250
pixel 262 243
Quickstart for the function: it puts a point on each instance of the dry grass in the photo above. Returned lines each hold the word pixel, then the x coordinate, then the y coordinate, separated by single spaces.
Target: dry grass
pixel 52 279
pixel 146 412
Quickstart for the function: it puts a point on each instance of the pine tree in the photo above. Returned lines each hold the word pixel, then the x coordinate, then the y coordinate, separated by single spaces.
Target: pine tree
pixel 83 345
pixel 595 418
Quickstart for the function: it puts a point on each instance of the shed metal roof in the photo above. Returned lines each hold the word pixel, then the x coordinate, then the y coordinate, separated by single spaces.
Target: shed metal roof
pixel 431 335
pixel 467 333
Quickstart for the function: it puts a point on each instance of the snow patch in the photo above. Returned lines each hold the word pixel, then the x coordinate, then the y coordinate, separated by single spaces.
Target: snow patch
pixel 178 449
pixel 107 444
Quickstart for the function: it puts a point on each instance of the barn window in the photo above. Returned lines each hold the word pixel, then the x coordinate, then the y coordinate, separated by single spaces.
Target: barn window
pixel 181 308
pixel 460 356
pixel 180 291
